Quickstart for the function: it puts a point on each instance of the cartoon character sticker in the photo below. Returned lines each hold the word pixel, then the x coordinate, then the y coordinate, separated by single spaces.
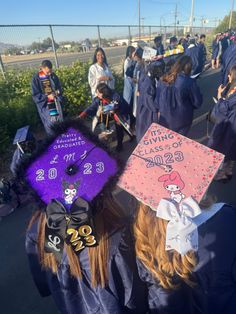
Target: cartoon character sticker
pixel 174 185
pixel 70 190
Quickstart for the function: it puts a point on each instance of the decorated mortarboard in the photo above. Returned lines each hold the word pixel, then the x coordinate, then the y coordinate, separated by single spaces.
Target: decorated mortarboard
pixel 171 173
pixel 23 134
pixel 68 173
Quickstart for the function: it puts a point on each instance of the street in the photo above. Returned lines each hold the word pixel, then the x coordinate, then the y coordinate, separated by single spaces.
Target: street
pixel 114 56
pixel 17 290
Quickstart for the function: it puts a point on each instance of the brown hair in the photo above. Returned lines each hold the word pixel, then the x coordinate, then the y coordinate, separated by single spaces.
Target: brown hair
pixel 183 64
pixel 108 218
pixel 150 237
pixel 232 72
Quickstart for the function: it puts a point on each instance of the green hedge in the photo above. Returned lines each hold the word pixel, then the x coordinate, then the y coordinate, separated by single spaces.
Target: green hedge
pixel 18 109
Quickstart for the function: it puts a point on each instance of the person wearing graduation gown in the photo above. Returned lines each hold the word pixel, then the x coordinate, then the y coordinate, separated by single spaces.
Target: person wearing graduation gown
pixel 97 274
pixel 224 43
pixel 46 91
pixel 169 58
pixel 223 136
pixel 147 112
pixel 228 60
pixel 138 75
pixel 128 91
pixel 216 52
pixel 202 47
pixel 196 55
pixel 177 96
pixel 158 45
pixel 202 282
pixel 105 95
pixel 185 41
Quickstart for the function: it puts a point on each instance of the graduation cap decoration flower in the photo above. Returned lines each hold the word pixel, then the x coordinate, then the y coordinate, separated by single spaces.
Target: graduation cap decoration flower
pixel 68 173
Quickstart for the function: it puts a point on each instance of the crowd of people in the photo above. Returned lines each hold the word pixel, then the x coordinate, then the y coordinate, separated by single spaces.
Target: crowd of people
pixel 130 270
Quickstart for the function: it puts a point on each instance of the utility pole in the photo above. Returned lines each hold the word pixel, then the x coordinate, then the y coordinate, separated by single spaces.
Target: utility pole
pixel 139 20
pixel 176 13
pixel 142 25
pixel 191 17
pixel 231 15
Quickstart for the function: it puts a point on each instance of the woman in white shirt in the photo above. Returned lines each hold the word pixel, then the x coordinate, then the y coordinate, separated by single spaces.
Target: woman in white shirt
pixel 99 72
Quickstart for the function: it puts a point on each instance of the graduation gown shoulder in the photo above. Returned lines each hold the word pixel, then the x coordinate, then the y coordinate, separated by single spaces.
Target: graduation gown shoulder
pixel 125 292
pixel 223 136
pixel 147 111
pixel 228 60
pixel 215 273
pixel 176 103
pixel 196 55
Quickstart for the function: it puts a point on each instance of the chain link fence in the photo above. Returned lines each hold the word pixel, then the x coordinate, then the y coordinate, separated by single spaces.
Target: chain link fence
pixel 23 46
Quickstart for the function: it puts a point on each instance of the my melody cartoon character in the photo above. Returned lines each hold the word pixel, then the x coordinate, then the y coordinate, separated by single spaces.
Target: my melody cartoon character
pixel 174 184
pixel 70 190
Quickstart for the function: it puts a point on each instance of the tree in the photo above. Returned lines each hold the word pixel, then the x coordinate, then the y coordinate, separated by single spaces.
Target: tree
pixel 224 25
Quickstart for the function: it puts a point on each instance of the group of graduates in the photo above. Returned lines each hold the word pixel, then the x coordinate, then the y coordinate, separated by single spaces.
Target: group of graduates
pixel 130 270
pixel 219 45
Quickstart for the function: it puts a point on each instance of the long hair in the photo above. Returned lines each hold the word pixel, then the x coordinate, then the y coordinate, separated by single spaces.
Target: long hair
pixel 99 49
pixel 107 219
pixel 232 73
pixel 183 64
pixel 129 51
pixel 150 237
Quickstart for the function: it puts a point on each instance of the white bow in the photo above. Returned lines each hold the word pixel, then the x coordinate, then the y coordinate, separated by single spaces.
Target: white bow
pixel 181 231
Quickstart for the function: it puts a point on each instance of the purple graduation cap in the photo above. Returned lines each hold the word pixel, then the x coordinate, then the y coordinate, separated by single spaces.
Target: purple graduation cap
pixel 71 165
pixel 70 170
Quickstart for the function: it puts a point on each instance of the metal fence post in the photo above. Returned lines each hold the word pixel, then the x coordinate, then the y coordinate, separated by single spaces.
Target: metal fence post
pixel 150 34
pixel 130 38
pixel 53 47
pixel 2 67
pixel 99 37
pixel 164 36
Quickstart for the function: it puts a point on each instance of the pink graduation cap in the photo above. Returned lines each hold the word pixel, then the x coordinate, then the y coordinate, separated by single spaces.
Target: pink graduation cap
pixel 167 165
pixel 72 164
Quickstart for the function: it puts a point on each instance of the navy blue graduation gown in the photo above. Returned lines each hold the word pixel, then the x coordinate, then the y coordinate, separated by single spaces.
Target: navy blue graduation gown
pixel 176 103
pixel 223 136
pixel 125 292
pixel 160 49
pixel 17 156
pixel 215 273
pixel 203 52
pixel 196 55
pixel 122 105
pixel 228 60
pixel 224 44
pixel 40 99
pixel 146 110
pixel 215 49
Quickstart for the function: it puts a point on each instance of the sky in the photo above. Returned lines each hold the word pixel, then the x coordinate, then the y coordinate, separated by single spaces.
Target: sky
pixel 84 12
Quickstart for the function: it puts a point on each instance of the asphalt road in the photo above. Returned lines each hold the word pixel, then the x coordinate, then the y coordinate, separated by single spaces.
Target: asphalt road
pixel 18 294
pixel 114 56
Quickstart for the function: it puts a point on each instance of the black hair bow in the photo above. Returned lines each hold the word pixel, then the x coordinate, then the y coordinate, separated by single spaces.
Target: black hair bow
pixel 75 227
